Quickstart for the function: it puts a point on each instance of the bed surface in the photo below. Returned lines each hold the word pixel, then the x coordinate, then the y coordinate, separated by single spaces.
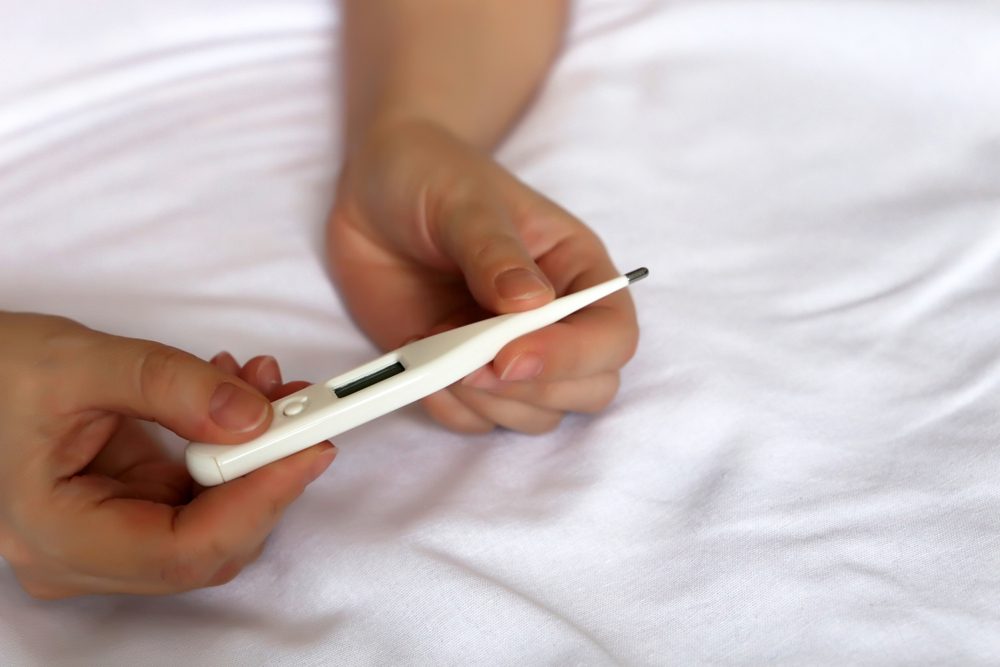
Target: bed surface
pixel 802 464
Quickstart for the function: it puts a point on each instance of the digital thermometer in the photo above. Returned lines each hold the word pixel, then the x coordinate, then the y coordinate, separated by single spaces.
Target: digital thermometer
pixel 405 375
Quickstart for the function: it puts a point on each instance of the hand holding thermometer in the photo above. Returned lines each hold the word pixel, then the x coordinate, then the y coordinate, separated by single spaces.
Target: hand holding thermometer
pixel 405 375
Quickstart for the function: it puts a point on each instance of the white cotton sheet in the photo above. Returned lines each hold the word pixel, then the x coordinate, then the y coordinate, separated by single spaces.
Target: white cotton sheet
pixel 802 465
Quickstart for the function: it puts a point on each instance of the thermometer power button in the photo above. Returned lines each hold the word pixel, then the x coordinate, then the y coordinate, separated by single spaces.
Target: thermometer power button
pixel 294 408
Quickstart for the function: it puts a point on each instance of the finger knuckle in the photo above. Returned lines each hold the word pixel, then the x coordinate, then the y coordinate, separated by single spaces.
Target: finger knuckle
pixel 158 372
pixel 629 348
pixel 550 393
pixel 604 396
pixel 494 250
pixel 187 569
pixel 179 574
pixel 543 425
pixel 257 552
pixel 484 248
pixel 15 551
pixel 275 507
pixel 461 420
pixel 40 590
pixel 229 571
pixel 36 373
pixel 61 337
pixel 467 425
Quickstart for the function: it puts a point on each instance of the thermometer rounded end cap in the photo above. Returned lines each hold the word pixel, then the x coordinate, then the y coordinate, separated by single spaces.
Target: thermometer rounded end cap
pixel 203 467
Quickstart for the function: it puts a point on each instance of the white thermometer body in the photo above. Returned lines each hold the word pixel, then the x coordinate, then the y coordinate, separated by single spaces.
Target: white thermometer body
pixel 405 375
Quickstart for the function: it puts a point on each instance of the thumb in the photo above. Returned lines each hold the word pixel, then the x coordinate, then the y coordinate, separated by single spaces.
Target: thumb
pixel 193 398
pixel 498 269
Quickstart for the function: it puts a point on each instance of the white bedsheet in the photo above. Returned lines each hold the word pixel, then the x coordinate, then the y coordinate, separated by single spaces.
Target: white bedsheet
pixel 802 465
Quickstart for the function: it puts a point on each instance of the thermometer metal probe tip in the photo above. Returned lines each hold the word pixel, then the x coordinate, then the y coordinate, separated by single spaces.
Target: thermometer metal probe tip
pixel 638 274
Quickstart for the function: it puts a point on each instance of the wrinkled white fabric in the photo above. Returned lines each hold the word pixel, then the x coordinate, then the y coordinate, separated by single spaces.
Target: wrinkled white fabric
pixel 802 464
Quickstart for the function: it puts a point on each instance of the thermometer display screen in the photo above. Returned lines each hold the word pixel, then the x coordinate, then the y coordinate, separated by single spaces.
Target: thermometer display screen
pixel 355 386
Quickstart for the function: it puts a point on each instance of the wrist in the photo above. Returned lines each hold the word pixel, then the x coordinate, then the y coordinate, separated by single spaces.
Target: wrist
pixel 391 118
pixel 401 130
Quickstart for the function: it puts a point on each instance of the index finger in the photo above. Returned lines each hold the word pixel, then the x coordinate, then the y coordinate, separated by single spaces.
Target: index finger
pixel 228 523
pixel 225 525
pixel 600 338
pixel 140 547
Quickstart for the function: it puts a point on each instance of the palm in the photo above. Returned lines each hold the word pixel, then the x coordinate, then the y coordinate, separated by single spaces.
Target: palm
pixel 396 280
pixel 428 233
pixel 134 465
pixel 395 298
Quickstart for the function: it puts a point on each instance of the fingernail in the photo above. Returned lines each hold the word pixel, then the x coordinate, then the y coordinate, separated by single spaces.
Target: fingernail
pixel 519 284
pixel 236 409
pixel 268 374
pixel 482 378
pixel 525 366
pixel 322 462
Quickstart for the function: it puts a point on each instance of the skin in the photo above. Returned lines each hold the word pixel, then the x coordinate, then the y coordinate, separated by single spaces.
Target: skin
pixel 90 502
pixel 429 232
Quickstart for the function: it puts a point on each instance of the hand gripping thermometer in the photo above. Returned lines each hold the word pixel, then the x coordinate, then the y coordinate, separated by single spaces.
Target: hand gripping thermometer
pixel 405 375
